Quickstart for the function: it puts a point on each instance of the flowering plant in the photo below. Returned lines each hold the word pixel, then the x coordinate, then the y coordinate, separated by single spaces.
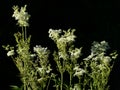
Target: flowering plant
pixel 36 73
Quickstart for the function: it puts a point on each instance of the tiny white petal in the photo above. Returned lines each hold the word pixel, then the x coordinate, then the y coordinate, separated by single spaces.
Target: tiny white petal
pixel 10 53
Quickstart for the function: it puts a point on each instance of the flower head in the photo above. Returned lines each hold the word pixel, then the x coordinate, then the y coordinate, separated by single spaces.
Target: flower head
pixel 68 36
pixel 98 48
pixel 78 71
pixel 10 53
pixel 48 70
pixel 22 16
pixel 107 60
pixel 54 34
pixel 39 49
pixel 75 53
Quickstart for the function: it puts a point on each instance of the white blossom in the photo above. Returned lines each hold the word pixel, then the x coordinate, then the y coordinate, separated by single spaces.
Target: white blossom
pixel 70 38
pixel 22 16
pixel 76 68
pixel 75 53
pixel 62 40
pixel 43 69
pixel 106 59
pixel 78 71
pixel 54 34
pixel 66 39
pixel 10 53
pixel 49 70
pixel 40 69
pixel 62 55
pixel 98 48
pixel 40 50
pixel 32 55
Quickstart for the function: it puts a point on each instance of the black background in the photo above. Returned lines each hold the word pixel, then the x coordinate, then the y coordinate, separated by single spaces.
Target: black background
pixel 93 20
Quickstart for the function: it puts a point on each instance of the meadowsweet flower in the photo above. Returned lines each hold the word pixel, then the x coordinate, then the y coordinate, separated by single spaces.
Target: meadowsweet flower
pixel 48 70
pixel 98 57
pixel 62 40
pixel 62 55
pixel 114 55
pixel 40 50
pixel 22 16
pixel 54 34
pixel 44 69
pixel 40 69
pixel 78 71
pixel 76 67
pixel 10 53
pixel 103 58
pixel 98 48
pixel 32 55
pixel 68 37
pixel 106 59
pixel 75 53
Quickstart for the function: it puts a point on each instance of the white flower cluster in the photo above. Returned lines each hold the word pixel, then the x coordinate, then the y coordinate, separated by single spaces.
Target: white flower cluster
pixel 62 55
pixel 54 34
pixel 67 37
pixel 98 48
pixel 32 55
pixel 40 50
pixel 75 53
pixel 102 58
pixel 44 70
pixel 22 16
pixel 10 53
pixel 78 71
pixel 107 60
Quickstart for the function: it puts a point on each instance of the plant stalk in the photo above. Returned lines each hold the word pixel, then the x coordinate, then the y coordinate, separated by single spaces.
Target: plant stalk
pixel 61 80
pixel 70 79
pixel 25 34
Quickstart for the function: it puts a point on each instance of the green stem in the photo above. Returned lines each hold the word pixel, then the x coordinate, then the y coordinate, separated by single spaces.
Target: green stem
pixel 70 79
pixel 79 80
pixel 57 87
pixel 61 80
pixel 48 84
pixel 24 85
pixel 24 79
pixel 25 34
